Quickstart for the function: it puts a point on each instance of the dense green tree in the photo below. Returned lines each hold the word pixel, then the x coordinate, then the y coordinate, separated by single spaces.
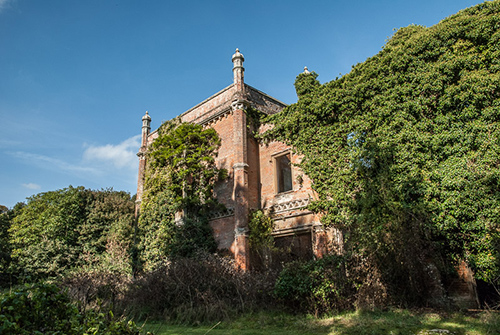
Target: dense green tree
pixel 6 218
pixel 404 151
pixel 107 234
pixel 179 182
pixel 61 230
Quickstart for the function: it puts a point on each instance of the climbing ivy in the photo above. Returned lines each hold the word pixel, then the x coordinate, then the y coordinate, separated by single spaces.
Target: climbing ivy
pixel 404 151
pixel 254 119
pixel 260 228
pixel 178 192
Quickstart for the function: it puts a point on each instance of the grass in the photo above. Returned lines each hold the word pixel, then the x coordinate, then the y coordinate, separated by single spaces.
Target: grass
pixel 394 322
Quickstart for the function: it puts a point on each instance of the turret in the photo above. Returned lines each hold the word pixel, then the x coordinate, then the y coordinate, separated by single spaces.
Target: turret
pixel 238 70
pixel 146 128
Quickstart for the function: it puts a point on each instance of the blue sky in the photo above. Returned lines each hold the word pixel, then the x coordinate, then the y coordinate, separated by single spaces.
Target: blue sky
pixel 76 77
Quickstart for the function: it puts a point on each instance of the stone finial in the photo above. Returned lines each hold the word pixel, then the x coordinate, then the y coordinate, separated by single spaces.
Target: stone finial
pixel 238 70
pixel 146 120
pixel 238 58
pixel 146 127
pixel 306 71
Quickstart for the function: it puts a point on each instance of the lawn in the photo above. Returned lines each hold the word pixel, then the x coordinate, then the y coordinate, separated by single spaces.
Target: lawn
pixel 394 322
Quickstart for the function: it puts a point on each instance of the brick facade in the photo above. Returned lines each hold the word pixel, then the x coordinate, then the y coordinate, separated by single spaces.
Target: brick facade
pixel 254 180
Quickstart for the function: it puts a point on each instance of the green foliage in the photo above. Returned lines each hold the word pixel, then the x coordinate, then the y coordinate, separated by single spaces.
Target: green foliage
pixel 179 182
pixel 306 83
pixel 60 230
pixel 318 286
pixel 4 243
pixel 254 119
pixel 260 227
pixel 404 150
pixel 260 240
pixel 6 218
pixel 44 309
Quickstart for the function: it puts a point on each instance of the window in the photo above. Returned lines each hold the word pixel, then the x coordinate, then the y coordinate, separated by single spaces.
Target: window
pixel 283 173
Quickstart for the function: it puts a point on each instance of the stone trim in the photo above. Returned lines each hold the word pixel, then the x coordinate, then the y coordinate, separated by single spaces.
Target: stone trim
pixel 293 230
pixel 282 104
pixel 240 166
pixel 289 205
pixel 239 104
pixel 216 117
pixel 206 100
pixel 227 212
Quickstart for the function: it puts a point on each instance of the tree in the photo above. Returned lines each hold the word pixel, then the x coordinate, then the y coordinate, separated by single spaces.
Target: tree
pixel 65 229
pixel 404 151
pixel 5 244
pixel 178 194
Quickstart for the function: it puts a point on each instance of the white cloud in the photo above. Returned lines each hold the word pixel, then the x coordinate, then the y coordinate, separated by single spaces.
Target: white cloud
pixel 120 156
pixel 53 163
pixel 32 186
pixel 4 4
pixel 111 165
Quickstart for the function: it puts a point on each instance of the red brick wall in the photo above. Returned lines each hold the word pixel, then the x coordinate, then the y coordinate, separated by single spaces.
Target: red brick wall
pixel 225 160
pixel 223 230
pixel 261 192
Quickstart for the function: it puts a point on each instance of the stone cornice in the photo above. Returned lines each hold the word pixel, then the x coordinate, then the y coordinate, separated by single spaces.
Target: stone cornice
pixel 141 154
pixel 206 100
pixel 229 211
pixel 215 118
pixel 282 104
pixel 240 166
pixel 239 104
pixel 288 205
pixel 293 230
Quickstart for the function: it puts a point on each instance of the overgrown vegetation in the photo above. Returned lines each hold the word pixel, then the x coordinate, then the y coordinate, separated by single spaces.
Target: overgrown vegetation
pixel 69 230
pixel 178 193
pixel 316 287
pixel 260 239
pixel 199 289
pixel 404 151
pixel 45 309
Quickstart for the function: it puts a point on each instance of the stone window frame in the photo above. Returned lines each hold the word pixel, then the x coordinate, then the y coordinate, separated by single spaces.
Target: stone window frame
pixel 275 157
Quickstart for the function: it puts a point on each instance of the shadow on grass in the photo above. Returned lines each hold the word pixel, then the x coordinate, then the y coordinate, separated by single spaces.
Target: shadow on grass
pixel 399 322
pixel 396 322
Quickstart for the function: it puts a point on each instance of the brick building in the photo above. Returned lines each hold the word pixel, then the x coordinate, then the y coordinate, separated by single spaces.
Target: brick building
pixel 261 175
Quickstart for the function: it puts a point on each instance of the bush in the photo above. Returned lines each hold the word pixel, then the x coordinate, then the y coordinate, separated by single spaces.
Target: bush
pixel 45 309
pixel 317 286
pixel 204 288
pixel 97 289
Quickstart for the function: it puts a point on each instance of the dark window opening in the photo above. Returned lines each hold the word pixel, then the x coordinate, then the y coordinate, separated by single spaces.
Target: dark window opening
pixel 283 173
pixel 295 247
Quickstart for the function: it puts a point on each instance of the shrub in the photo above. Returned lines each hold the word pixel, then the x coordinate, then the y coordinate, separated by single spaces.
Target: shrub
pixel 317 286
pixel 97 289
pixel 198 289
pixel 45 309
